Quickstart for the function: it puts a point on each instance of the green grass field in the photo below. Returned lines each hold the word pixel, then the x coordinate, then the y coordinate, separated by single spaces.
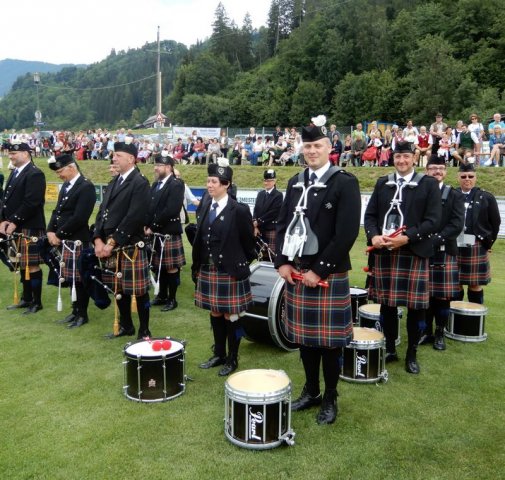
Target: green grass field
pixel 64 416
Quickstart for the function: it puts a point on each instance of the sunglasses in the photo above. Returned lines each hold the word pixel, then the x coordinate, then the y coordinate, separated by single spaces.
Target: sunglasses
pixel 464 177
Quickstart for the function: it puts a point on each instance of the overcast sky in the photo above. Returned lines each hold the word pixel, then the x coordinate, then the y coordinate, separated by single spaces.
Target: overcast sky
pixel 70 31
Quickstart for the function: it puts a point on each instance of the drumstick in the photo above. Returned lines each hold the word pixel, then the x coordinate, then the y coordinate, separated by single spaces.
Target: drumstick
pixel 299 276
pixel 397 232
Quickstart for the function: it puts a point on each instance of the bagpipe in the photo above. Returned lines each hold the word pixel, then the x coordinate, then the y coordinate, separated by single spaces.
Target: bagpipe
pixel 263 251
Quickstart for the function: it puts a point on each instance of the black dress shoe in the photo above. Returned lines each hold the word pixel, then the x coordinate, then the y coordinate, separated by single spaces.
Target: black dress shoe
pixel 171 305
pixel 143 334
pixel 32 309
pixel 68 319
pixel 213 362
pixel 391 357
pixel 78 322
pixel 305 400
pixel 329 409
pixel 229 367
pixel 122 333
pixel 21 304
pixel 411 366
pixel 158 301
pixel 439 343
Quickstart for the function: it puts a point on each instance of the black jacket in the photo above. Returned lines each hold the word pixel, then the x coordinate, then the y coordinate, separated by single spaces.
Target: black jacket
pixel 69 220
pixel 267 208
pixel 24 199
pixel 122 212
pixel 233 243
pixel 422 210
pixel 334 216
pixel 163 215
pixel 486 218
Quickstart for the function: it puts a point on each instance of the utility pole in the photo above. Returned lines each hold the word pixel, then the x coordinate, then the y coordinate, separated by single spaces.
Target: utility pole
pixel 159 117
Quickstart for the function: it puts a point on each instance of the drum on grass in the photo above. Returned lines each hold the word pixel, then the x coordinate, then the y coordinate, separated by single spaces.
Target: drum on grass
pixel 467 322
pixel 257 412
pixel 263 319
pixel 153 376
pixel 358 297
pixel 364 357
pixel 370 317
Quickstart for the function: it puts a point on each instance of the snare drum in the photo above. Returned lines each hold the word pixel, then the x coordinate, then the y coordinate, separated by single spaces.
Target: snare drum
pixel 263 319
pixel 466 322
pixel 153 376
pixel 364 357
pixel 370 316
pixel 358 297
pixel 257 410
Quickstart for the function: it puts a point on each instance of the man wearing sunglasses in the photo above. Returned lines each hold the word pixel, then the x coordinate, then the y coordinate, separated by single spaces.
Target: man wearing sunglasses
pixel 444 273
pixel 482 223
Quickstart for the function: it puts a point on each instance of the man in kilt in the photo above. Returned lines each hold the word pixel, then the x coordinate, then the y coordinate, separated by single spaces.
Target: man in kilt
pixel 482 224
pixel 22 215
pixel 163 223
pixel 319 318
pixel 118 240
pixel 444 273
pixel 68 230
pixel 401 261
pixel 266 210
pixel 222 250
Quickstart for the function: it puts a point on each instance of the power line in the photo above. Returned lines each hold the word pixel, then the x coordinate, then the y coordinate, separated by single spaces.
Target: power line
pixel 97 88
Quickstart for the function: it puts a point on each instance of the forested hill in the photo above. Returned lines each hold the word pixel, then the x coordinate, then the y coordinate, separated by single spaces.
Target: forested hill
pixel 352 60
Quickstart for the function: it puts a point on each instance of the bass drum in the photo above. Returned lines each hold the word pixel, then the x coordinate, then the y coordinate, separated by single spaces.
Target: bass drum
pixel 263 320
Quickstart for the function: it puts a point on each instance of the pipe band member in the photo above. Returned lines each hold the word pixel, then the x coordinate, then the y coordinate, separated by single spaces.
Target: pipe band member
pixel 324 202
pixel 23 213
pixel 223 248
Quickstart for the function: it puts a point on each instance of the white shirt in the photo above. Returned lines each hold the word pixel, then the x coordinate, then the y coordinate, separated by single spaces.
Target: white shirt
pixel 220 204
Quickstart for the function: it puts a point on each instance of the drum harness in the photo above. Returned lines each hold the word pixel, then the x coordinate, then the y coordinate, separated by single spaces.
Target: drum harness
pixel 162 239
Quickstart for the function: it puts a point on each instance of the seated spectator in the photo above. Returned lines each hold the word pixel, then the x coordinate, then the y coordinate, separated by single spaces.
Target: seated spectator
pixel 346 156
pixel 298 151
pixel 257 151
pixel 465 144
pixel 236 151
pixel 223 143
pixel 496 122
pixel 410 133
pixel 247 150
pixel 178 150
pixel 444 145
pixel 286 157
pixel 198 151
pixel 336 149
pixel 188 150
pixel 385 155
pixel 96 153
pixel 268 146
pixel 213 151
pixel 496 146
pixel 357 149
pixel 279 148
pixel 477 130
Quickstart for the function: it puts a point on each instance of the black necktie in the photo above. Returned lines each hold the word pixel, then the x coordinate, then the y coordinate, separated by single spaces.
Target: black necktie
pixel 158 187
pixel 401 181
pixel 16 173
pixel 120 182
pixel 65 187
pixel 313 177
pixel 213 212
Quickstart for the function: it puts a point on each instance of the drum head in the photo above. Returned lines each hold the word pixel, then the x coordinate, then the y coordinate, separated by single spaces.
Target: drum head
pixel 370 310
pixel 144 348
pixel 362 334
pixel 259 381
pixel 469 307
pixel 358 292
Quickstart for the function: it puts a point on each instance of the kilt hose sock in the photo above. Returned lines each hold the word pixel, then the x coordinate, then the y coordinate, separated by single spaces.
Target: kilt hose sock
pixel 36 286
pixel 220 334
pixel 311 359
pixel 233 333
pixel 81 305
pixel 162 294
pixel 390 326
pixel 173 280
pixel 476 297
pixel 125 311
pixel 27 287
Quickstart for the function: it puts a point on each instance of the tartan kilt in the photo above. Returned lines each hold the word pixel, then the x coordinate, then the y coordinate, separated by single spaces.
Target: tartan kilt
pixel 67 259
pixel 29 251
pixel 173 253
pixel 219 292
pixel 269 237
pixel 125 284
pixel 319 316
pixel 401 279
pixel 474 268
pixel 444 278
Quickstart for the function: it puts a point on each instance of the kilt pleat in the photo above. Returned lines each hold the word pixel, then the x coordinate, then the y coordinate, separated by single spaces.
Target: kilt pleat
pixel 320 316
pixel 269 237
pixel 219 292
pixel 401 279
pixel 474 268
pixel 173 253
pixel 444 279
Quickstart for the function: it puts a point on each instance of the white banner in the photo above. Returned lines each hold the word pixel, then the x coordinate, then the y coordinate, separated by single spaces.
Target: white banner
pixel 185 132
